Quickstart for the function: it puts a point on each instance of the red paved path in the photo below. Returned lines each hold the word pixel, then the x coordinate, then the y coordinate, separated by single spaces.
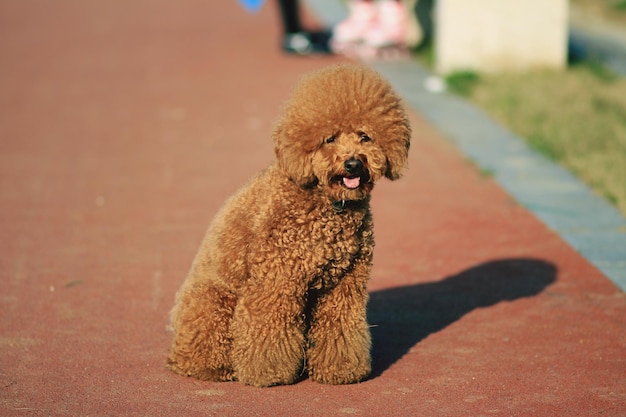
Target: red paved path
pixel 124 125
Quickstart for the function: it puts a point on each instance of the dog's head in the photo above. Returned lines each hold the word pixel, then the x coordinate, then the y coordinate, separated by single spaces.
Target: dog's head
pixel 343 129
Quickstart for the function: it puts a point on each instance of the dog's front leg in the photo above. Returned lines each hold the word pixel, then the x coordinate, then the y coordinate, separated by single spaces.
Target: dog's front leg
pixel 268 335
pixel 339 337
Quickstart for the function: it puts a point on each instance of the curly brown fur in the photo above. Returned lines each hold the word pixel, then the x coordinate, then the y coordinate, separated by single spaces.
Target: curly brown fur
pixel 278 287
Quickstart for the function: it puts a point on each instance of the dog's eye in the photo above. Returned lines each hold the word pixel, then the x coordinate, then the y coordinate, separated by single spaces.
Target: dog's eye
pixel 365 138
pixel 330 139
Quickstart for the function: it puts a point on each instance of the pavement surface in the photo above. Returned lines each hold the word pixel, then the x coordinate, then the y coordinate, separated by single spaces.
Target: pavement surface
pixel 125 125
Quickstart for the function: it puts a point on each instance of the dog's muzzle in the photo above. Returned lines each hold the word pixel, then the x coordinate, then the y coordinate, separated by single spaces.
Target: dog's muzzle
pixel 354 168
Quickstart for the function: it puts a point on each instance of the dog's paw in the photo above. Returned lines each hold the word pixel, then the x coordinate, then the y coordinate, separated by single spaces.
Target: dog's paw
pixel 266 379
pixel 219 375
pixel 343 376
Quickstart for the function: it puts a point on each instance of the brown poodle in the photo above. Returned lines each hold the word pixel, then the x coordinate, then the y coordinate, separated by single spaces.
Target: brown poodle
pixel 278 287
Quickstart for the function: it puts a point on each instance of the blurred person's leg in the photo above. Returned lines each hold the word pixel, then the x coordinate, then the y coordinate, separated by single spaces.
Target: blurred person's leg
pixel 391 25
pixel 379 27
pixel 296 40
pixel 362 15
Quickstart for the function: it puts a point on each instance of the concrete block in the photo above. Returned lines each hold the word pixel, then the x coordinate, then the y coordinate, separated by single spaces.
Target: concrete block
pixel 500 35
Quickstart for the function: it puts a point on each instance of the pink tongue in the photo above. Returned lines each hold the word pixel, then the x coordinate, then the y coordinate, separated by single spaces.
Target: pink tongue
pixel 351 182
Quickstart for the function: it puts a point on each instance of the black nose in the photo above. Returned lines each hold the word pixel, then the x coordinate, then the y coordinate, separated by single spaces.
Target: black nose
pixel 353 166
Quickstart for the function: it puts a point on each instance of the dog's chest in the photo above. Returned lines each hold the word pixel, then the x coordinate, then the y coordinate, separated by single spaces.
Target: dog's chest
pixel 311 248
pixel 335 245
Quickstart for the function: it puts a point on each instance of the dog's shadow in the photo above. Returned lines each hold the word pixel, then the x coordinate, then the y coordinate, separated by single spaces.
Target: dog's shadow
pixel 401 317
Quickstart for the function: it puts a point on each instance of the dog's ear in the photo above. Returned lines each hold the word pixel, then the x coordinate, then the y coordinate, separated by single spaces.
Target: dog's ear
pixel 293 153
pixel 396 147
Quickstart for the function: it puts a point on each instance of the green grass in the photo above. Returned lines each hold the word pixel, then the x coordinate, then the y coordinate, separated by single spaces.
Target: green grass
pixel 462 82
pixel 613 11
pixel 575 117
pixel 619 6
